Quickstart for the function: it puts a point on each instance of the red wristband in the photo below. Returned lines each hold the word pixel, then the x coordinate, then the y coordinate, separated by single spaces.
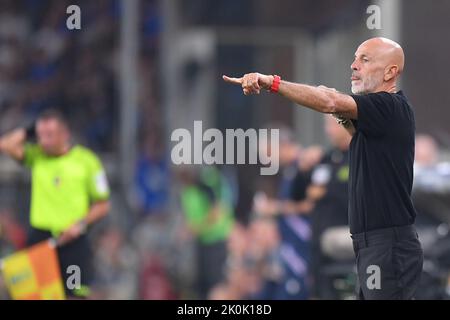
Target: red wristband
pixel 275 84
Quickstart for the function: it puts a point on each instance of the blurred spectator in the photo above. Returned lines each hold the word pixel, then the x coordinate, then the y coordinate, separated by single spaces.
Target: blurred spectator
pixel 13 23
pixel 253 267
pixel 161 259
pixel 43 64
pixel 11 231
pixel 116 264
pixel 154 283
pixel 430 174
pixel 431 190
pixel 264 251
pixel 431 183
pixel 12 238
pixel 291 208
pixel 152 177
pixel 209 218
pixel 151 25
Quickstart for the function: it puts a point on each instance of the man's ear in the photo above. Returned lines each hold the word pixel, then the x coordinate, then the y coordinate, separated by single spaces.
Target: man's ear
pixel 390 72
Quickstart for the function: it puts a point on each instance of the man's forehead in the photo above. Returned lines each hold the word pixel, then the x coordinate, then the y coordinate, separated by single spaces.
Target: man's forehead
pixel 376 46
pixel 50 122
pixel 364 49
pixel 361 54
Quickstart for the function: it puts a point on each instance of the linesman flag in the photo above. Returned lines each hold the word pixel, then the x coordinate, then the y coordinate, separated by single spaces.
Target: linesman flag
pixel 33 273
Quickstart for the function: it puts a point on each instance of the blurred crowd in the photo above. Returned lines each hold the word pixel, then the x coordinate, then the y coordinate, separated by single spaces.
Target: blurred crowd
pixel 297 243
pixel 281 254
pixel 44 64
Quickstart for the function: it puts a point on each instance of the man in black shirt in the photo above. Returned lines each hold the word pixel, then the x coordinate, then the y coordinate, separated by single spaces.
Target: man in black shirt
pixel 381 214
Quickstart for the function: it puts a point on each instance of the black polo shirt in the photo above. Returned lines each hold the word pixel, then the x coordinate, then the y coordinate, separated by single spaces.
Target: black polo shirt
pixel 381 163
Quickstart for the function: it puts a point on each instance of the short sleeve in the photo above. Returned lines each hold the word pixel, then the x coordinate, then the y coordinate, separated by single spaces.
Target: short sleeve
pixel 31 152
pixel 375 112
pixel 97 181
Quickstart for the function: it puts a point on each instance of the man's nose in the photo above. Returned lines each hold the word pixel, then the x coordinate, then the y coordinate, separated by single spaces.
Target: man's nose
pixel 354 66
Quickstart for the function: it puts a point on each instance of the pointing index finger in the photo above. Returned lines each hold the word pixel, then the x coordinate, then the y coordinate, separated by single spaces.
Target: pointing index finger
pixel 232 80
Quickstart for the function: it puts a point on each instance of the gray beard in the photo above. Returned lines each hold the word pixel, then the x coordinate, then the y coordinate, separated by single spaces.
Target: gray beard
pixel 358 92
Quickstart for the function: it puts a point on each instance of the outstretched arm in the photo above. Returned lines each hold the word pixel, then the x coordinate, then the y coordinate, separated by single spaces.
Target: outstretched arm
pixel 345 122
pixel 316 98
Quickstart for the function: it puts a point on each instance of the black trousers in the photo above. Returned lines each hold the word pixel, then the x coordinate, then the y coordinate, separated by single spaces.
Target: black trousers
pixel 77 252
pixel 389 263
pixel 211 260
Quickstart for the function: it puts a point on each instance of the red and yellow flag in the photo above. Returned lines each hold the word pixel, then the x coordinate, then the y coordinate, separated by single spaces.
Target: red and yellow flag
pixel 33 273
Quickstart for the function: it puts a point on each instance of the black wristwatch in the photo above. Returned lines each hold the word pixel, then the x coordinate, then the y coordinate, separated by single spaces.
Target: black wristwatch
pixel 341 120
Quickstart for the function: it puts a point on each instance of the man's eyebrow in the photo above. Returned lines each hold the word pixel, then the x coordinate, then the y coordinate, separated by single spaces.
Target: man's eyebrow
pixel 362 55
